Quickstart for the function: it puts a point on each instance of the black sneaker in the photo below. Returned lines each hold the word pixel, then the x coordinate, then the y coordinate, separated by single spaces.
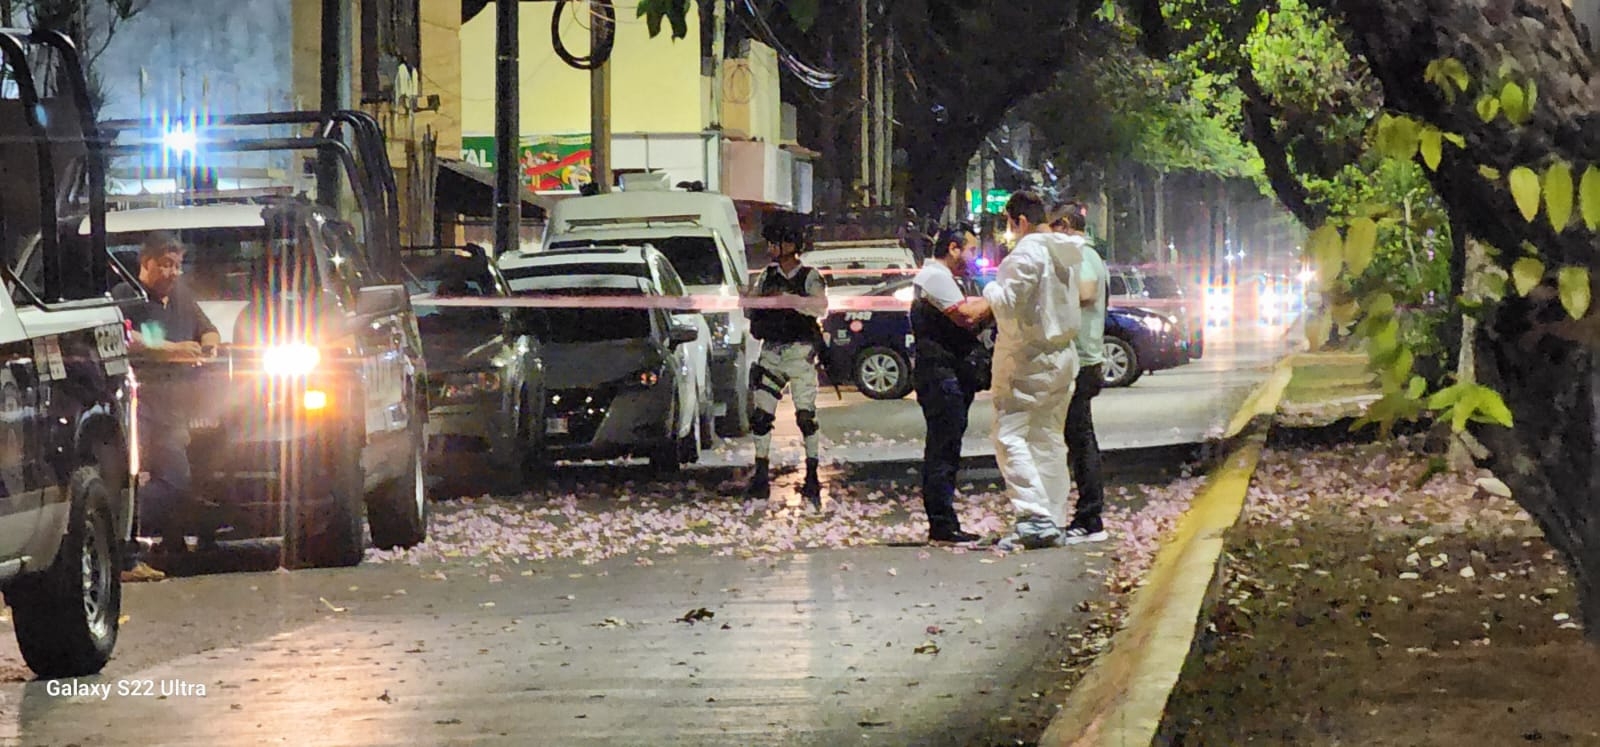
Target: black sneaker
pixel 952 537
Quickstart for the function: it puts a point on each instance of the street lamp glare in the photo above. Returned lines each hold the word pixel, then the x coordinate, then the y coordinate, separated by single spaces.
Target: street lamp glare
pixel 180 140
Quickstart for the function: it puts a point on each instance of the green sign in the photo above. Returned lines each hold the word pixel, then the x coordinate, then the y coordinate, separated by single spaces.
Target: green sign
pixel 995 201
pixel 548 162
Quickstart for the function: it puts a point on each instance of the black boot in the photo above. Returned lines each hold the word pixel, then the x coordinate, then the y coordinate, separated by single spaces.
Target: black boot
pixel 812 489
pixel 759 488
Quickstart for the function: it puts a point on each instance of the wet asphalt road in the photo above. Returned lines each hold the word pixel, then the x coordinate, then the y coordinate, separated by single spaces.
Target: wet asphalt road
pixel 810 648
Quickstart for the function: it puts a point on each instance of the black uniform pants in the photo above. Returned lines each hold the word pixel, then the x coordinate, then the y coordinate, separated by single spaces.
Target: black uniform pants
pixel 1083 450
pixel 945 403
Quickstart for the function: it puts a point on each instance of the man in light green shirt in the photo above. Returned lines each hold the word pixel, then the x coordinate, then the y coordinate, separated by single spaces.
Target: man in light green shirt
pixel 1082 449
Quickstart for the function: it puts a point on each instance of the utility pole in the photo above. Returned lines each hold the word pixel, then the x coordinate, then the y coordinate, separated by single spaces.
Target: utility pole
pixel 866 110
pixel 880 157
pixel 507 138
pixel 599 111
pixel 888 122
pixel 333 99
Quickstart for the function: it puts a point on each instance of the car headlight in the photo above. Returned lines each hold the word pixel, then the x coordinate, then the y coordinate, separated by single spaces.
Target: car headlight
pixel 465 385
pixel 296 359
pixel 647 377
pixel 1153 323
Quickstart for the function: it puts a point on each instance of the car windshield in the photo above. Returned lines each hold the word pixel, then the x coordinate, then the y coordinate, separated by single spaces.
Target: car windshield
pixel 1162 286
pixel 696 258
pixel 864 273
pixel 448 274
pixel 596 324
pixel 231 264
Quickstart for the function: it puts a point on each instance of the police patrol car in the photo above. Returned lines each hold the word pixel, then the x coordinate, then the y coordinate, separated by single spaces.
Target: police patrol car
pixel 314 413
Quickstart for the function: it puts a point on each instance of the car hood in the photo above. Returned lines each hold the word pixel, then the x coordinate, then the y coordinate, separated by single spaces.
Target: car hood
pixel 449 352
pixel 587 364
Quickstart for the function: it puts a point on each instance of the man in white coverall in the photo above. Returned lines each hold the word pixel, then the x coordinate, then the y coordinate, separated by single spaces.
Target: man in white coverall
pixel 1034 298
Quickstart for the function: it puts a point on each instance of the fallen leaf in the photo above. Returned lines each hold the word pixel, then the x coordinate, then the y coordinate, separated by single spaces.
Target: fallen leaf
pixel 696 615
pixel 330 605
pixel 927 647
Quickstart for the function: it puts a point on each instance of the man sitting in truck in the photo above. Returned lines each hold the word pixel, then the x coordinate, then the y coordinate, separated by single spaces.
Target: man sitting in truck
pixel 169 330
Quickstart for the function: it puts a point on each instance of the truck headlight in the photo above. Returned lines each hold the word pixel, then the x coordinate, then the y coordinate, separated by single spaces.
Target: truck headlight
pixel 466 385
pixel 290 360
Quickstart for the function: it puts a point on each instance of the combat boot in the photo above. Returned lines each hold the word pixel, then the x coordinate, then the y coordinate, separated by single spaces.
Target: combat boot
pixel 812 489
pixel 760 487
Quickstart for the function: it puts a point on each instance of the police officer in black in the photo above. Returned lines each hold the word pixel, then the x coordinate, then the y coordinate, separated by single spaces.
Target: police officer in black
pixel 169 330
pixel 789 298
pixel 946 375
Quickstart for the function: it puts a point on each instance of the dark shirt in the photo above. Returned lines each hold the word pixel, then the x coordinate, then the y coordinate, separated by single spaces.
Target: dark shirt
pixel 178 320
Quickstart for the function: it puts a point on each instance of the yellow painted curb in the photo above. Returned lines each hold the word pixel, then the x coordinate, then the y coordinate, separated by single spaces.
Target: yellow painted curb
pixel 1122 699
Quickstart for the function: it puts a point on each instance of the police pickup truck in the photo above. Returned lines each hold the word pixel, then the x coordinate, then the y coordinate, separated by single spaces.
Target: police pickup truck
pixel 313 415
pixel 66 404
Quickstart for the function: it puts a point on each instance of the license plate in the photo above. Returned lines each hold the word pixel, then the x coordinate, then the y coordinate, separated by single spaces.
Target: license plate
pixel 555 425
pixel 201 424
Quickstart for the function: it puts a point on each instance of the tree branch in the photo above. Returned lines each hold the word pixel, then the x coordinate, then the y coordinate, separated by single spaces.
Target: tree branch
pixel 1257 111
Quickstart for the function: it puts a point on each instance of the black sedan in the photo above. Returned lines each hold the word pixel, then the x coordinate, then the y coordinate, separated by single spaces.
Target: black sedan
pixel 485 365
pixel 873 349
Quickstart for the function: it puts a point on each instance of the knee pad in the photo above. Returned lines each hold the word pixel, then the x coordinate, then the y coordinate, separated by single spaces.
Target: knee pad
pixel 807 420
pixel 761 422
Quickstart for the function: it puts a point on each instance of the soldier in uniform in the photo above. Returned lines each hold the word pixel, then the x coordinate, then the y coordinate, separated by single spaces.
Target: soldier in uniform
pixel 791 341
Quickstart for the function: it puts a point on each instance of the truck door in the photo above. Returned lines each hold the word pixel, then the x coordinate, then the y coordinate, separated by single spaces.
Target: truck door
pixel 23 473
pixel 386 370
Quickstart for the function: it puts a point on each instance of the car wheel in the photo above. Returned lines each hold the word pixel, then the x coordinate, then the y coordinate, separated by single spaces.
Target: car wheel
pixel 398 512
pixel 66 618
pixel 324 497
pixel 689 446
pixel 736 421
pixel 882 373
pixel 1122 363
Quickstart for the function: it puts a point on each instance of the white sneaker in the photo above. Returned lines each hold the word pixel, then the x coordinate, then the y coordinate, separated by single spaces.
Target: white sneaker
pixel 1079 536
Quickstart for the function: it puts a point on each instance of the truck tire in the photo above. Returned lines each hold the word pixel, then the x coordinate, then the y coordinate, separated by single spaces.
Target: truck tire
pixel 398 511
pixel 324 501
pixel 66 617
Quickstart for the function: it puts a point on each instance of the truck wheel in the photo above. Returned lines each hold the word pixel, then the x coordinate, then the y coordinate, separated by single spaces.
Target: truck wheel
pixel 882 373
pixel 324 509
pixel 398 512
pixel 66 617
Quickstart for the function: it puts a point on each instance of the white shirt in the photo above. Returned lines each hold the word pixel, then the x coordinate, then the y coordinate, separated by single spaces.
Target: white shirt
pixel 937 283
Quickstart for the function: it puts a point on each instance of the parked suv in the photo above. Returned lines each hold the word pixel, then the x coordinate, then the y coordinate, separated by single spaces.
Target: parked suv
pixel 622 379
pixel 485 365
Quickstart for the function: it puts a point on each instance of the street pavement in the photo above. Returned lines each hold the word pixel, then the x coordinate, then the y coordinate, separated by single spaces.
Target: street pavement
pixel 883 643
pixel 1183 405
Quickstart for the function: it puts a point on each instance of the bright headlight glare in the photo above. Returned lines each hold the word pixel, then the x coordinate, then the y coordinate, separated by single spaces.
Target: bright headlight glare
pixel 1155 323
pixel 290 360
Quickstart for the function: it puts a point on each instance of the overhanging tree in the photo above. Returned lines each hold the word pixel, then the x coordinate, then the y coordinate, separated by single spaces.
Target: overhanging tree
pixel 1528 62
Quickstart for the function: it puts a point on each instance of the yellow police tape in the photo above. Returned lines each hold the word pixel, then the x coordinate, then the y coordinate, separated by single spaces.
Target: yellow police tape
pixel 1123 698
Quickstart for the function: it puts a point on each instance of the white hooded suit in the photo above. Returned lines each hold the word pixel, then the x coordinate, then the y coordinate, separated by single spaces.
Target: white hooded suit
pixel 1035 302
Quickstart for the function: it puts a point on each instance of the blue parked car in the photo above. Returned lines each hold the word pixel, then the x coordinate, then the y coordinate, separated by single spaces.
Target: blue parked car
pixel 873 349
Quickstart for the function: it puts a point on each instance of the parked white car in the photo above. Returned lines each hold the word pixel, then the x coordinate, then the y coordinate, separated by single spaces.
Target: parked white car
pixel 699 234
pixel 618 381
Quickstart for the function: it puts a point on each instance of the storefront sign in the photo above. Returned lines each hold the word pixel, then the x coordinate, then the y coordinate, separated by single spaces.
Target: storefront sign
pixel 548 162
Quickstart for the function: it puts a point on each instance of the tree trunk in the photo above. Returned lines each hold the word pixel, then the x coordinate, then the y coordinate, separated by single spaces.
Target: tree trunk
pixel 1543 365
pixel 1160 197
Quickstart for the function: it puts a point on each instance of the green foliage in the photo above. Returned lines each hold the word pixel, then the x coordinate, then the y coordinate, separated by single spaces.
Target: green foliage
pixel 1526 273
pixel 1573 284
pixel 1525 191
pixel 1589 197
pixel 1558 195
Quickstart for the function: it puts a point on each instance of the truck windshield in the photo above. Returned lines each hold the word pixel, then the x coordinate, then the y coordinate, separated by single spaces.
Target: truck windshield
pixel 231 264
pixel 696 258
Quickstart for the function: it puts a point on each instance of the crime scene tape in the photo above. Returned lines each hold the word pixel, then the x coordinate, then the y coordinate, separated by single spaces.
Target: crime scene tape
pixel 702 303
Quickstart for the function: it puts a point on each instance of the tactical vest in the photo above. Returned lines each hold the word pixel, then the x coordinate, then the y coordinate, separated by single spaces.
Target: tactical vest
pixel 940 342
pixel 780 326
